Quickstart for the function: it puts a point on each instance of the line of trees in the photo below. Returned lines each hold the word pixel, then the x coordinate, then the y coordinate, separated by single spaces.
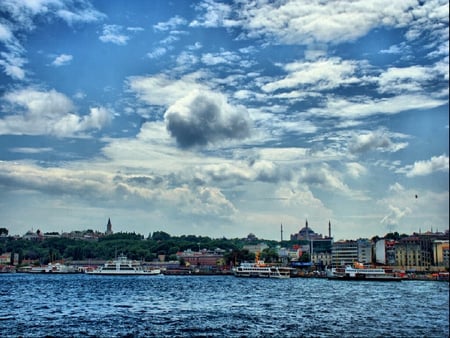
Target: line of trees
pixel 133 245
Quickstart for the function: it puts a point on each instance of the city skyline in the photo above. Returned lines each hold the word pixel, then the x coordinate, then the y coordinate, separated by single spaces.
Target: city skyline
pixel 224 118
pixel 283 235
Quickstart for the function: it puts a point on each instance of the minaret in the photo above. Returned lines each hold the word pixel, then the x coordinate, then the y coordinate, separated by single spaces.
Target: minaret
pixel 329 229
pixel 307 230
pixel 282 232
pixel 109 227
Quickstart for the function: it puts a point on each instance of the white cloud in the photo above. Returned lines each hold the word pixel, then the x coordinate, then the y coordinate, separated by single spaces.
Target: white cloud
pixel 5 33
pixel 395 215
pixel 394 49
pixel 23 14
pixel 162 90
pixel 41 103
pixel 214 14
pixel 362 107
pixel 71 12
pixel 211 59
pixel 35 112
pixel 13 65
pixel 171 24
pixel 100 186
pixel 157 52
pixel 321 74
pixel 411 209
pixel 113 34
pixel 407 79
pixel 82 15
pixel 28 150
pixel 380 140
pixel 355 169
pixel 297 22
pixel 324 177
pixel 422 168
pixel 62 60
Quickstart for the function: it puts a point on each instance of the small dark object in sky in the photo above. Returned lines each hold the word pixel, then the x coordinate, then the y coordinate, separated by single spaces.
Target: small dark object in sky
pixel 416 196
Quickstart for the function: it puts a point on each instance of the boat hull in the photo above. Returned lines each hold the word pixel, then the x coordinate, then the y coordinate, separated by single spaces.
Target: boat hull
pixel 366 278
pixel 260 276
pixel 121 274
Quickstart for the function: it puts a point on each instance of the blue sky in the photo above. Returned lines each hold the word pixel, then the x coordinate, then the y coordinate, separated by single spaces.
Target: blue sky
pixel 224 118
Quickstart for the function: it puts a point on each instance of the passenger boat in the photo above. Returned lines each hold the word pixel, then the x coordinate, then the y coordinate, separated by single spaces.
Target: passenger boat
pixel 261 270
pixel 50 268
pixel 122 266
pixel 360 273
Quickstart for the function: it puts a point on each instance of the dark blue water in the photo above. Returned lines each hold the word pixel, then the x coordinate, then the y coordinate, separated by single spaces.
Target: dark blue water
pixel 104 306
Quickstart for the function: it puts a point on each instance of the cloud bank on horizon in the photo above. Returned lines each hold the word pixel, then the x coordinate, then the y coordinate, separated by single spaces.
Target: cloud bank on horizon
pixel 223 118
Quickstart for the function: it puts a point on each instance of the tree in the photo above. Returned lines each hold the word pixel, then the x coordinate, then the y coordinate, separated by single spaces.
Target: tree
pixel 160 236
pixel 305 258
pixel 3 232
pixel 269 255
pixel 237 256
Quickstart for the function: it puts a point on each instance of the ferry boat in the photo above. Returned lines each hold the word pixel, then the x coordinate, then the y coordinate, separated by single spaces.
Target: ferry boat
pixel 50 268
pixel 358 272
pixel 122 266
pixel 261 270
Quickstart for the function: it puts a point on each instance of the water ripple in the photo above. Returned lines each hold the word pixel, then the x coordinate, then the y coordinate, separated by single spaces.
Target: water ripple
pixel 217 306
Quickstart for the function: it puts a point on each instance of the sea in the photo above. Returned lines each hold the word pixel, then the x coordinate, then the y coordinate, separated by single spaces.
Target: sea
pixel 79 305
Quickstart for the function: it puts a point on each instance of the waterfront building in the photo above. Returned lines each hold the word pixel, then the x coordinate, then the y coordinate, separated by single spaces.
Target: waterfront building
pixel 441 253
pixel 385 252
pixel 407 255
pixel 344 253
pixel 306 234
pixel 414 252
pixel 364 251
pixel 318 245
pixel 9 259
pixel 202 258
pixel 321 259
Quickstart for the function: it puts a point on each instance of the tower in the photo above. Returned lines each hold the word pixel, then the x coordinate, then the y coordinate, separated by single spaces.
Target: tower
pixel 307 230
pixel 329 229
pixel 282 232
pixel 109 227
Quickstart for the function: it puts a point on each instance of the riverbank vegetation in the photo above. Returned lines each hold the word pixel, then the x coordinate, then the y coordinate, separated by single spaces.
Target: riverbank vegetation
pixel 134 246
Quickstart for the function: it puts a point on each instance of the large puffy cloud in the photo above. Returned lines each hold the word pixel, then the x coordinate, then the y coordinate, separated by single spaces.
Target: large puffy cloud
pixel 299 22
pixel 204 117
pixel 36 112
pixel 102 187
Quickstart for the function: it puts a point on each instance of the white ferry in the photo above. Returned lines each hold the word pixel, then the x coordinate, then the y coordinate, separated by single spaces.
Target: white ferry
pixel 122 266
pixel 50 268
pixel 261 270
pixel 361 273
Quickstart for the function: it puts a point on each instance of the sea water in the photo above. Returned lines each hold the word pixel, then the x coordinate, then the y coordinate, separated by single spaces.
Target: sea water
pixel 223 306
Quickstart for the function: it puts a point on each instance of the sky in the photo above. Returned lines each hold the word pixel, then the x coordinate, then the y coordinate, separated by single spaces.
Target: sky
pixel 224 118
